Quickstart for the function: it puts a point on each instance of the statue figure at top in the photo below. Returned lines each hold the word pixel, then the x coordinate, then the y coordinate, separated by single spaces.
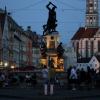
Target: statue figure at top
pixel 51 23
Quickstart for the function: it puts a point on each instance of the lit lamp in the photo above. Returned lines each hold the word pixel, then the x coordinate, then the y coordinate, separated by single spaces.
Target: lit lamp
pixel 12 67
pixel 5 64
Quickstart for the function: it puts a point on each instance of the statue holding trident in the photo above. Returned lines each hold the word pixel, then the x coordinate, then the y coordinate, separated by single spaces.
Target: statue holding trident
pixel 51 23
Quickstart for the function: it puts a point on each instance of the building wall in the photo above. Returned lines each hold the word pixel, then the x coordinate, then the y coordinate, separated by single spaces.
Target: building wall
pixel 36 57
pixel 82 65
pixel 69 57
pixel 82 46
pixel 29 51
pixel 15 43
pixel 52 39
pixel 23 50
pixel 94 63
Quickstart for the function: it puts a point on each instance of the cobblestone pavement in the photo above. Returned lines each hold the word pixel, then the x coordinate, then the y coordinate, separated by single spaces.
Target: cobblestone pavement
pixel 34 93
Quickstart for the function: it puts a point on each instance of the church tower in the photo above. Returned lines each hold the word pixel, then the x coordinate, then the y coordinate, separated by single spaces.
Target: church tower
pixel 92 16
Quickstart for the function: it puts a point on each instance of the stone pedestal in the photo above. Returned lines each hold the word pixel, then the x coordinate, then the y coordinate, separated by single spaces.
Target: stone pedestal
pixel 52 41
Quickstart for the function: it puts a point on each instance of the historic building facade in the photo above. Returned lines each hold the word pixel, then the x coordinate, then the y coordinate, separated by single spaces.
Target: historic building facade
pixel 10 42
pixel 86 40
pixel 15 43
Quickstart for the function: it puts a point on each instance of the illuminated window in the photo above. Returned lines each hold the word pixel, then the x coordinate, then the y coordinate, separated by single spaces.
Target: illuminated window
pixel 99 46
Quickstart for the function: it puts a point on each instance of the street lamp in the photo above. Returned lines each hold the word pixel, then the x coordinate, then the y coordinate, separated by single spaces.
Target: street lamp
pixel 12 67
pixel 5 64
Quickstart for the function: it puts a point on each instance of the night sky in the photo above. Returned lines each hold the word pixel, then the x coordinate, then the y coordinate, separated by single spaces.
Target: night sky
pixel 70 15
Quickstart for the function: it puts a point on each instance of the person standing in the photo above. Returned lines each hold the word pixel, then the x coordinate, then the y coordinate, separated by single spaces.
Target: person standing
pixel 51 80
pixel 51 76
pixel 45 79
pixel 73 77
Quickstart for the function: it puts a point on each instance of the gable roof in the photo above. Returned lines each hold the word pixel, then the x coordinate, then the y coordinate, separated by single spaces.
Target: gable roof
pixel 11 22
pixel 84 33
pixel 98 57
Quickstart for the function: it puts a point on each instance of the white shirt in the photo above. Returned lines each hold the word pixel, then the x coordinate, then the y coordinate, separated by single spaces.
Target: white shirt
pixel 73 74
pixel 45 73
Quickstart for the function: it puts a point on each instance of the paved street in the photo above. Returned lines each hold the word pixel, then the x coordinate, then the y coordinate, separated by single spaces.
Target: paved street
pixel 37 93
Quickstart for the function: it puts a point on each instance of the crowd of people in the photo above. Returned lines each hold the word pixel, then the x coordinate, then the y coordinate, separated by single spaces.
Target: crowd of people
pixel 16 79
pixel 75 79
pixel 78 78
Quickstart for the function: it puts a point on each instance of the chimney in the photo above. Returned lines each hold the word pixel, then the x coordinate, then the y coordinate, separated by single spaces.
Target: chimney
pixel 29 28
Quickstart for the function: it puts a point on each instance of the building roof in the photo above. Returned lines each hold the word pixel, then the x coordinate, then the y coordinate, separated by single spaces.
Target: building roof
pixel 1 10
pixel 11 22
pixel 84 33
pixel 98 57
pixel 2 21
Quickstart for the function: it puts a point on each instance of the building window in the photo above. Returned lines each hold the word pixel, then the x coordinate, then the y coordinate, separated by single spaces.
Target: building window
pixel 87 53
pixel 91 18
pixel 99 46
pixel 92 48
pixel 91 23
pixel 77 50
pixel 36 51
pixel 91 4
pixel 93 60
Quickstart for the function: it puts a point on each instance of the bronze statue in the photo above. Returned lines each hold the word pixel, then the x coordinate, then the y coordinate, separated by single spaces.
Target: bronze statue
pixel 51 23
pixel 43 49
pixel 60 50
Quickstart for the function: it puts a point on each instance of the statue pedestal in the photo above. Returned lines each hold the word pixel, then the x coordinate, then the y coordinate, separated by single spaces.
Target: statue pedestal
pixel 52 41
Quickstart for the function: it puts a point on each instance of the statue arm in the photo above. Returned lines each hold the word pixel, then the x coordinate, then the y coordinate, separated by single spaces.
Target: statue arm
pixel 53 4
pixel 48 6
